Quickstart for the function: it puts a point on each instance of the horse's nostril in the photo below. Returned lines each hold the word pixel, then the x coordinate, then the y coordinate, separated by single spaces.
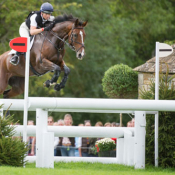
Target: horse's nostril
pixel 79 55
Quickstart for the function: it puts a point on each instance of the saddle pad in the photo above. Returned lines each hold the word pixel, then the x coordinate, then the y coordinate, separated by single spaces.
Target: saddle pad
pixel 31 44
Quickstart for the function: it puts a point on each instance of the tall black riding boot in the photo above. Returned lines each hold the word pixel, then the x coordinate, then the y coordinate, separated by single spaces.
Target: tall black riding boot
pixel 15 59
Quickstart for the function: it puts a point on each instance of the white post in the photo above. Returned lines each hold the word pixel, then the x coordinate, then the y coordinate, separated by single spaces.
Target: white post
pixel 156 138
pixel 26 91
pixel 131 151
pixel 157 72
pixel 120 119
pixel 128 148
pixel 156 98
pixel 1 110
pixel 139 149
pixel 120 150
pixel 44 141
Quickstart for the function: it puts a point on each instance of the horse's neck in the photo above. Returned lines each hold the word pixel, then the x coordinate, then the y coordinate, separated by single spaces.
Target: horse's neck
pixel 63 29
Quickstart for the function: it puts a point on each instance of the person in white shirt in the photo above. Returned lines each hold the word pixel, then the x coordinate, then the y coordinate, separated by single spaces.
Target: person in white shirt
pixel 34 25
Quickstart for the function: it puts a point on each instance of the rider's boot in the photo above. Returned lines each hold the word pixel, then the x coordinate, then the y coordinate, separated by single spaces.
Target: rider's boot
pixel 15 59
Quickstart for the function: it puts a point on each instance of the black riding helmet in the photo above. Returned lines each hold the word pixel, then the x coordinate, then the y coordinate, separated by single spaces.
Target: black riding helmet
pixel 46 8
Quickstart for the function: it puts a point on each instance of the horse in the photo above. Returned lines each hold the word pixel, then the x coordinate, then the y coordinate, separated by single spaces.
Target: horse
pixel 46 55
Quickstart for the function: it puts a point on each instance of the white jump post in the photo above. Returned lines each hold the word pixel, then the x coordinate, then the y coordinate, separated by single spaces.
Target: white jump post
pixel 22 44
pixel 128 148
pixel 156 98
pixel 162 50
pixel 44 141
pixel 140 132
pixel 120 150
pixel 1 110
pixel 26 90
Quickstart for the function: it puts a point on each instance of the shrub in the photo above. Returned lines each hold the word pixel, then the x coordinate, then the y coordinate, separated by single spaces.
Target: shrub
pixel 120 81
pixel 166 124
pixel 12 150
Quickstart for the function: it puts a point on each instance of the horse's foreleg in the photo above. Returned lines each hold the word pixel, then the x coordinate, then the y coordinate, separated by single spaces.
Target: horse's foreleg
pixel 63 82
pixel 49 66
pixel 54 79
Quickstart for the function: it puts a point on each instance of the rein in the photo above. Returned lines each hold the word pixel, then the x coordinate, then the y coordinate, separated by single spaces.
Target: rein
pixel 71 46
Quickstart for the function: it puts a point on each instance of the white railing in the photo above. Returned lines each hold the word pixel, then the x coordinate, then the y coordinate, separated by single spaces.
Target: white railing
pixel 130 150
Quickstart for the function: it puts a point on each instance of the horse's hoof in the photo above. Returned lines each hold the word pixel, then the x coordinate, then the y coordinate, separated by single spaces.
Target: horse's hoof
pixel 47 84
pixel 57 87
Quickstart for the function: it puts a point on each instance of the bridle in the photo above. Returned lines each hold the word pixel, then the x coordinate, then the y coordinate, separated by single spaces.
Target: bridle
pixel 71 46
pixel 73 41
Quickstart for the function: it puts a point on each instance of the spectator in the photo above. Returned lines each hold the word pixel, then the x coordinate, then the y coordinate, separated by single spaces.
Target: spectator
pixel 114 124
pixel 67 143
pixel 85 141
pixel 57 149
pixel 107 124
pixel 129 124
pixel 50 121
pixel 30 139
pixel 60 122
pixel 78 143
pixel 133 122
pixel 99 124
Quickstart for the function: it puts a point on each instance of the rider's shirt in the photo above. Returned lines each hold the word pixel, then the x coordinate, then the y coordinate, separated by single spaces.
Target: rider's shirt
pixel 37 20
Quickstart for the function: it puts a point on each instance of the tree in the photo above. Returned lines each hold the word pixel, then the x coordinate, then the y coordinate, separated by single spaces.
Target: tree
pixel 12 150
pixel 117 32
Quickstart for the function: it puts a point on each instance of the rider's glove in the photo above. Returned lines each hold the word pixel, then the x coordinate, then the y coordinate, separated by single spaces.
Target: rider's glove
pixel 49 27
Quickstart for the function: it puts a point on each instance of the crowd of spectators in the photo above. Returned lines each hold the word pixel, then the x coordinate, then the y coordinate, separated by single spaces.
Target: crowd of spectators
pixel 73 146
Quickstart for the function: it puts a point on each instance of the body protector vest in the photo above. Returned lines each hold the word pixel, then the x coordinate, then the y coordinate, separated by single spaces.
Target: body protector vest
pixel 38 19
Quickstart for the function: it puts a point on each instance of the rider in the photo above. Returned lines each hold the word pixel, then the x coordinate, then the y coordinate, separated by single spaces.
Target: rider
pixel 34 24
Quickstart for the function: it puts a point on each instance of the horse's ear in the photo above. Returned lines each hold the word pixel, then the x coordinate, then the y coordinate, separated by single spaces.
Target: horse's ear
pixel 76 23
pixel 84 23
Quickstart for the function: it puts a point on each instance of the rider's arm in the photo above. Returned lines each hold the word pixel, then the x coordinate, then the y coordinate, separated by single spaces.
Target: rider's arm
pixel 33 26
pixel 34 30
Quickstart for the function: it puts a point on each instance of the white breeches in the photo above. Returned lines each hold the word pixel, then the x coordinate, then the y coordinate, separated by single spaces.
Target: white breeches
pixel 23 30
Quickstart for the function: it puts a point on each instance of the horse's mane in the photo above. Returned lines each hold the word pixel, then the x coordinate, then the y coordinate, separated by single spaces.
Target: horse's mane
pixel 63 18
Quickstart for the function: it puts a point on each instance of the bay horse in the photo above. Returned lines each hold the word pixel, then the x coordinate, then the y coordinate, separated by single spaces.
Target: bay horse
pixel 46 55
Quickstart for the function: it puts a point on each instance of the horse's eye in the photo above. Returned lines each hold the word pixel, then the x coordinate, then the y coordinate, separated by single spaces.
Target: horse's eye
pixel 75 35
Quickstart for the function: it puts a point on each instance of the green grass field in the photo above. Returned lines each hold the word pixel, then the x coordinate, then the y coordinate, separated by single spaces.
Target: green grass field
pixel 85 169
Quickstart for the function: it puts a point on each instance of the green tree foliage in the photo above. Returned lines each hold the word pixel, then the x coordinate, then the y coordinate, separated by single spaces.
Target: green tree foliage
pixel 166 124
pixel 120 81
pixel 145 26
pixel 12 150
pixel 117 32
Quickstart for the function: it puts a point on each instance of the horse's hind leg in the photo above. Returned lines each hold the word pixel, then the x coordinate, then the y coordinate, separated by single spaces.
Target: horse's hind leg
pixel 3 81
pixel 17 84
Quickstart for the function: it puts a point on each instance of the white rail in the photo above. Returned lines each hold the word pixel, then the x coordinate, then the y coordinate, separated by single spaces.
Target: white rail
pixel 85 104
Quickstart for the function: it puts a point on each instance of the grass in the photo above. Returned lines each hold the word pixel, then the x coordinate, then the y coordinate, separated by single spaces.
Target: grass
pixel 84 169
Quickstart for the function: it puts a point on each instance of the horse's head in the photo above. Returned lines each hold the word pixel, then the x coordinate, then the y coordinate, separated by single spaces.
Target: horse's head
pixel 76 38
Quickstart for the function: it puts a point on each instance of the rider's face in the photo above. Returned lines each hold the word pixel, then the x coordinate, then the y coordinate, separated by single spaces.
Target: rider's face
pixel 46 16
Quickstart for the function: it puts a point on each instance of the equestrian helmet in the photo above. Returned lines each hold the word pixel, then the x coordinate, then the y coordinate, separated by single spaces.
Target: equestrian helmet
pixel 46 8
